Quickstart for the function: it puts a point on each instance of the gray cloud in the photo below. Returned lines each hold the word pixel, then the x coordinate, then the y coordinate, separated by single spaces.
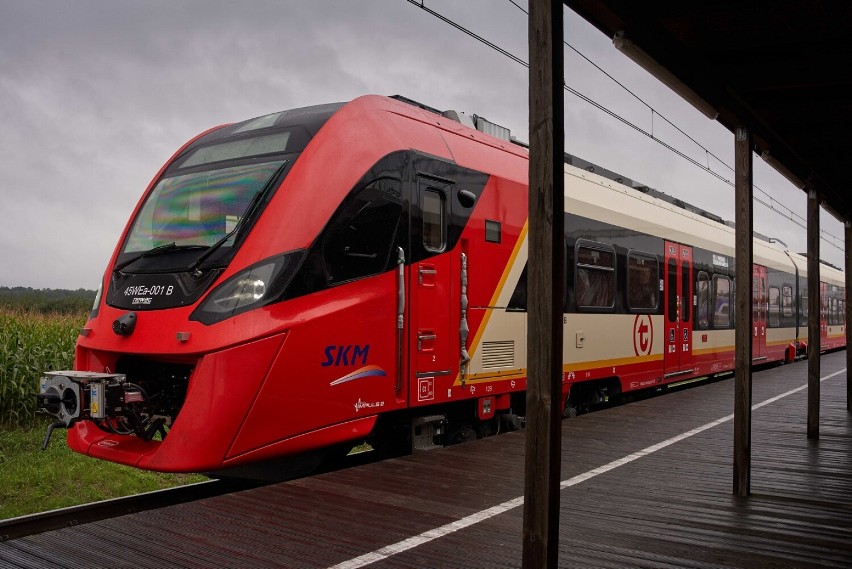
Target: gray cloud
pixel 96 95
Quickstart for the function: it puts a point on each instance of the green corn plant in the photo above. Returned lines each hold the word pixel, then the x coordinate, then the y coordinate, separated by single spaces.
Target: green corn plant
pixel 31 343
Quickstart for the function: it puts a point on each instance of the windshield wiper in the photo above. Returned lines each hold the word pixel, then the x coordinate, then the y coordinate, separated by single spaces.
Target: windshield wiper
pixel 155 251
pixel 248 213
pixel 148 253
pixel 212 249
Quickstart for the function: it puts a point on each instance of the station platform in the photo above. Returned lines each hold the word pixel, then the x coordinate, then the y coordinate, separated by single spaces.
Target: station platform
pixel 648 484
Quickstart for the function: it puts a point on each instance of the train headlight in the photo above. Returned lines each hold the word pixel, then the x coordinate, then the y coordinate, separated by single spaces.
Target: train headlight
pixel 256 286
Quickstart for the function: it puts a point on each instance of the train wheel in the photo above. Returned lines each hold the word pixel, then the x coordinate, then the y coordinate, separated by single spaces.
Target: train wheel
pixel 463 435
pixel 569 411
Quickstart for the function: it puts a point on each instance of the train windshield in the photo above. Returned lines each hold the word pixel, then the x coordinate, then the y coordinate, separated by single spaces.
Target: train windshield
pixel 198 209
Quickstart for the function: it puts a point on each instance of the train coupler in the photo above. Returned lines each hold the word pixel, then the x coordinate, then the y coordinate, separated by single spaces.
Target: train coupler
pixel 73 396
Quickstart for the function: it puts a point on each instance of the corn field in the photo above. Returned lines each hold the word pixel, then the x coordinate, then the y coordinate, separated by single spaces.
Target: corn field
pixel 31 343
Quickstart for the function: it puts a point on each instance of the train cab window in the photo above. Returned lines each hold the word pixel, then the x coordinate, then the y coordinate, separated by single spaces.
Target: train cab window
pixel 362 232
pixel 703 294
pixel 434 220
pixel 722 304
pixel 786 301
pixel 774 306
pixel 643 277
pixel 595 276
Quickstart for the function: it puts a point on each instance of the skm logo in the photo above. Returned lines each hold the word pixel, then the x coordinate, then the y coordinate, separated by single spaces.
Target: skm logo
pixel 346 355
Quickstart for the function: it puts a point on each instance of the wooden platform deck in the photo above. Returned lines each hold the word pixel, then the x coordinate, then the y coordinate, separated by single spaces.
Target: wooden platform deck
pixel 645 485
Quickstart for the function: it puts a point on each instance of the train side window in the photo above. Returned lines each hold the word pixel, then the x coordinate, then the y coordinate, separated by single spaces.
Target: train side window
pixel 803 307
pixel 832 315
pixel 786 300
pixel 774 307
pixel 434 220
pixel 362 232
pixel 493 231
pixel 518 302
pixel 643 277
pixel 595 276
pixel 703 293
pixel 722 304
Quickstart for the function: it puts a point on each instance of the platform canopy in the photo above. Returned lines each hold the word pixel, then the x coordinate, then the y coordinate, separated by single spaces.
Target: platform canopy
pixel 781 68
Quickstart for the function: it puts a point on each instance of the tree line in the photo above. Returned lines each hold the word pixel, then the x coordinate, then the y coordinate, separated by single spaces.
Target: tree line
pixel 47 300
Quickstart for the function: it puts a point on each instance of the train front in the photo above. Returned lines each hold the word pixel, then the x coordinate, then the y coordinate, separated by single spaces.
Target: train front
pixel 174 356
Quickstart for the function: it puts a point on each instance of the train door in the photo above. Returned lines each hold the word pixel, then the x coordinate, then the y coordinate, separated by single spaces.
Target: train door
pixel 678 309
pixel 431 288
pixel 823 315
pixel 758 313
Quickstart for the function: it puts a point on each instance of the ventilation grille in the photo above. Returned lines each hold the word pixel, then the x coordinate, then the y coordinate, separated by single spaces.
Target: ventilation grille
pixel 498 354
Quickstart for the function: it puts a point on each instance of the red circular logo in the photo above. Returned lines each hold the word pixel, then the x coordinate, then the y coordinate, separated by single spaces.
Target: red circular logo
pixel 643 334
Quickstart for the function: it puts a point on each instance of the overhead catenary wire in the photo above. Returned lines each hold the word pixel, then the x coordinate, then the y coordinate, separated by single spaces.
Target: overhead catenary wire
pixel 654 112
pixel 788 213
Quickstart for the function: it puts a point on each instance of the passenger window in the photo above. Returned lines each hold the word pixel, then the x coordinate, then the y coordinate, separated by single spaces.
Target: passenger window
pixel 434 224
pixel 595 282
pixel 786 300
pixel 518 302
pixel 721 301
pixel 362 232
pixel 703 293
pixel 774 306
pixel 643 278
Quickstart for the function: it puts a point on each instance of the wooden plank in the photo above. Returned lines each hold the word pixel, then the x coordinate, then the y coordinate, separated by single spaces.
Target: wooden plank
pixel 545 286
pixel 744 247
pixel 813 314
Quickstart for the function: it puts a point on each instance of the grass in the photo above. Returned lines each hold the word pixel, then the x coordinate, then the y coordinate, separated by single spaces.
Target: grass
pixel 32 480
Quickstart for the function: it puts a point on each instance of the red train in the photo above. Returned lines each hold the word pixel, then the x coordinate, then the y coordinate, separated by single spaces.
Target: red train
pixel 296 283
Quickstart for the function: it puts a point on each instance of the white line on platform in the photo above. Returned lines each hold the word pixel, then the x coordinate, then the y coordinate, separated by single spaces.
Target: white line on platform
pixel 483 515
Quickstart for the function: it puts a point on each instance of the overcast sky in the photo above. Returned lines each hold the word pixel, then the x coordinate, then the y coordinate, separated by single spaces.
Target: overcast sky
pixel 96 95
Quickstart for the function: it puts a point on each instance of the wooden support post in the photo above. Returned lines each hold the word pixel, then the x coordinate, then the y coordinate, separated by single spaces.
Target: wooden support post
pixel 545 287
pixel 814 320
pixel 744 247
pixel 848 247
